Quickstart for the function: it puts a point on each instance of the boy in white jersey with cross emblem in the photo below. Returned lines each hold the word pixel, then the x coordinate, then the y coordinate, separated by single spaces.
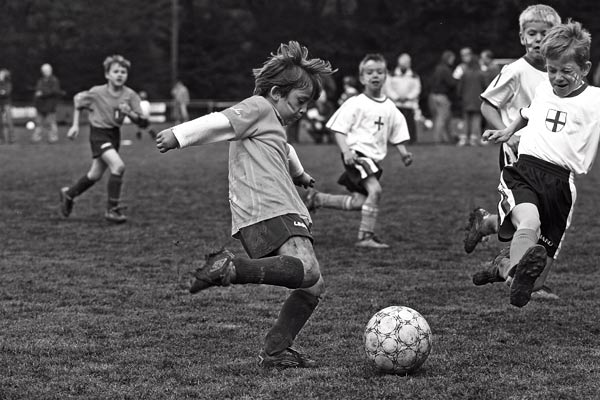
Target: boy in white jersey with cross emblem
pixel 268 215
pixel 363 127
pixel 560 132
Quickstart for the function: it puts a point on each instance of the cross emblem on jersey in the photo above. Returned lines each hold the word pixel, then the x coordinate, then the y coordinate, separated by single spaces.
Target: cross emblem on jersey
pixel 379 124
pixel 556 120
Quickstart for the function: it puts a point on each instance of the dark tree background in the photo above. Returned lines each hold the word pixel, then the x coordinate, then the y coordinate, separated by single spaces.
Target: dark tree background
pixel 221 41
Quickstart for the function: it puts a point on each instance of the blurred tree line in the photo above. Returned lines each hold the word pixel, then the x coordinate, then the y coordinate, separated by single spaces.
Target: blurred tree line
pixel 221 41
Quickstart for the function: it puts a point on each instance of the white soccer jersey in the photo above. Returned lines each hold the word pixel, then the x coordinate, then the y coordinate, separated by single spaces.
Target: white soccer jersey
pixel 369 125
pixel 513 88
pixel 563 130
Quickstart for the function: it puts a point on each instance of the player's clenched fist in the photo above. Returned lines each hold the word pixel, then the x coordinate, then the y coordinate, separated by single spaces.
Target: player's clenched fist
pixel 166 140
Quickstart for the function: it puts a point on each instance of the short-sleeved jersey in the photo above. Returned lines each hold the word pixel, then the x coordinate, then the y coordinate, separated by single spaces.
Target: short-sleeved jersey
pixel 260 184
pixel 104 107
pixel 513 88
pixel 563 130
pixel 369 125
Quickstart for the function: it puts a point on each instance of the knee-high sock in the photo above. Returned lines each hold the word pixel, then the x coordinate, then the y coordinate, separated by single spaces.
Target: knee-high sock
pixel 368 220
pixel 337 201
pixel 522 240
pixel 296 310
pixel 114 190
pixel 282 270
pixel 83 184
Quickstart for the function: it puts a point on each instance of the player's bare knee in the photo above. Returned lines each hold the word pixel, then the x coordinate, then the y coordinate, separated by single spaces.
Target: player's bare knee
pixel 118 169
pixel 358 199
pixel 317 289
pixel 312 272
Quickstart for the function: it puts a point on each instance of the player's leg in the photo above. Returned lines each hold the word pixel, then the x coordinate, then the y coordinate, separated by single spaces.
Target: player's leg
pixel 68 194
pixel 116 167
pixel 369 212
pixel 314 199
pixel 481 224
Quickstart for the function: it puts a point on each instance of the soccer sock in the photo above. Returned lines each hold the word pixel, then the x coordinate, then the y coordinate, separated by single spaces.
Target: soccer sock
pixel 83 184
pixel 368 220
pixel 337 201
pixel 284 271
pixel 522 240
pixel 114 190
pixel 296 310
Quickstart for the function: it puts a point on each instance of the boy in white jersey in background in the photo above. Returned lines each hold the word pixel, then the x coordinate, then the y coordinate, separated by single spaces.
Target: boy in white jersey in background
pixel 268 216
pixel 560 132
pixel 511 90
pixel 108 104
pixel 363 127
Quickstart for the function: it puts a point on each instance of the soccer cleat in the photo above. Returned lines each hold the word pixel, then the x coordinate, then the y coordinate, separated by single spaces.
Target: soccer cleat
pixel 310 199
pixel 473 233
pixel 372 242
pixel 115 215
pixel 527 271
pixel 66 202
pixel 289 358
pixel 545 293
pixel 217 270
pixel 491 274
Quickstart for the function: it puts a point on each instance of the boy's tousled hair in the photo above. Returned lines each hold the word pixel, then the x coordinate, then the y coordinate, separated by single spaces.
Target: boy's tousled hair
pixel 370 57
pixel 290 68
pixel 116 59
pixel 538 13
pixel 567 39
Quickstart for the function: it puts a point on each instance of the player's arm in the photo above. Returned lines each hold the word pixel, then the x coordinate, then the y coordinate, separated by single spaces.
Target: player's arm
pixel 211 128
pixel 492 115
pixel 407 157
pixel 299 176
pixel 80 101
pixel 503 135
pixel 347 153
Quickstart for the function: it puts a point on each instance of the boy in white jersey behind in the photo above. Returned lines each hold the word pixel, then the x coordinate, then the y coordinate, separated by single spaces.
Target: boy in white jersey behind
pixel 108 106
pixel 363 127
pixel 560 132
pixel 268 216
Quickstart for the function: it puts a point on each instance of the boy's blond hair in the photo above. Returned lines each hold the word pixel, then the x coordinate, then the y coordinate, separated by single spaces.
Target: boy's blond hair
pixel 567 39
pixel 290 68
pixel 371 57
pixel 116 59
pixel 538 13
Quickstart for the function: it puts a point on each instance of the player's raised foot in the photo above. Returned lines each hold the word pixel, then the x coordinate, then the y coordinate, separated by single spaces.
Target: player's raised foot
pixel 491 272
pixel 371 242
pixel 289 358
pixel 115 215
pixel 527 271
pixel 473 233
pixel 544 293
pixel 310 199
pixel 66 202
pixel 218 270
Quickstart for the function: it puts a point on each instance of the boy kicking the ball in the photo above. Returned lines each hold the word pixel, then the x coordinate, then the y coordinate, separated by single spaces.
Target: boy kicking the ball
pixel 560 132
pixel 363 127
pixel 268 216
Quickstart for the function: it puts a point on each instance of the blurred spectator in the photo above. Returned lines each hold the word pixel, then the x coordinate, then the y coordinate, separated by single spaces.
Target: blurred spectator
pixel 181 100
pixel 403 87
pixel 470 87
pixel 145 107
pixel 350 89
pixel 596 77
pixel 46 96
pixel 489 69
pixel 443 86
pixel 6 123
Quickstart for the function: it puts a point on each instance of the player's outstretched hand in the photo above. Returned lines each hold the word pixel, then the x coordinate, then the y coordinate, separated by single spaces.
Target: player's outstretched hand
pixel 125 108
pixel 73 132
pixel 496 135
pixel 407 159
pixel 166 140
pixel 304 180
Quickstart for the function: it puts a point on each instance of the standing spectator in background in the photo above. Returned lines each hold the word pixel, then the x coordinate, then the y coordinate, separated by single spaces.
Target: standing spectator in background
pixel 181 100
pixel 443 86
pixel 350 89
pixel 403 87
pixel 489 69
pixel 47 94
pixel 6 124
pixel 145 107
pixel 596 77
pixel 470 86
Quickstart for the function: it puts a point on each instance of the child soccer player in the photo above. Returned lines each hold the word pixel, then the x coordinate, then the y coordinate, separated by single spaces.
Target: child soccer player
pixel 363 127
pixel 108 105
pixel 559 139
pixel 268 215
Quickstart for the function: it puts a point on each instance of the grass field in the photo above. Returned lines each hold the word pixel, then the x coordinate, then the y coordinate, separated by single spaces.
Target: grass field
pixel 90 310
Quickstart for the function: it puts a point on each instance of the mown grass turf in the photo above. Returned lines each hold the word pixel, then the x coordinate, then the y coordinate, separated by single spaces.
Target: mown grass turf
pixel 92 310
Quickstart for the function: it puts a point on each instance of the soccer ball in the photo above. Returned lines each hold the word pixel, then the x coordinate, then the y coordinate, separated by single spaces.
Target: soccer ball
pixel 30 125
pixel 397 340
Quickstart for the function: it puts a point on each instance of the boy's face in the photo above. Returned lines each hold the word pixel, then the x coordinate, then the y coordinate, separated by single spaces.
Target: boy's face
pixel 565 74
pixel 293 106
pixel 373 76
pixel 116 75
pixel 531 36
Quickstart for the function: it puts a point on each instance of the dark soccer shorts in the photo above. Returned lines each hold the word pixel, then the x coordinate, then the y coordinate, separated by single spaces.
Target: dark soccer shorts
pixel 102 139
pixel 549 187
pixel 264 238
pixel 355 174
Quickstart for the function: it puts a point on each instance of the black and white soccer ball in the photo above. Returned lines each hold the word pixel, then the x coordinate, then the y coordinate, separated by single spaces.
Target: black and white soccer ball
pixel 397 340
